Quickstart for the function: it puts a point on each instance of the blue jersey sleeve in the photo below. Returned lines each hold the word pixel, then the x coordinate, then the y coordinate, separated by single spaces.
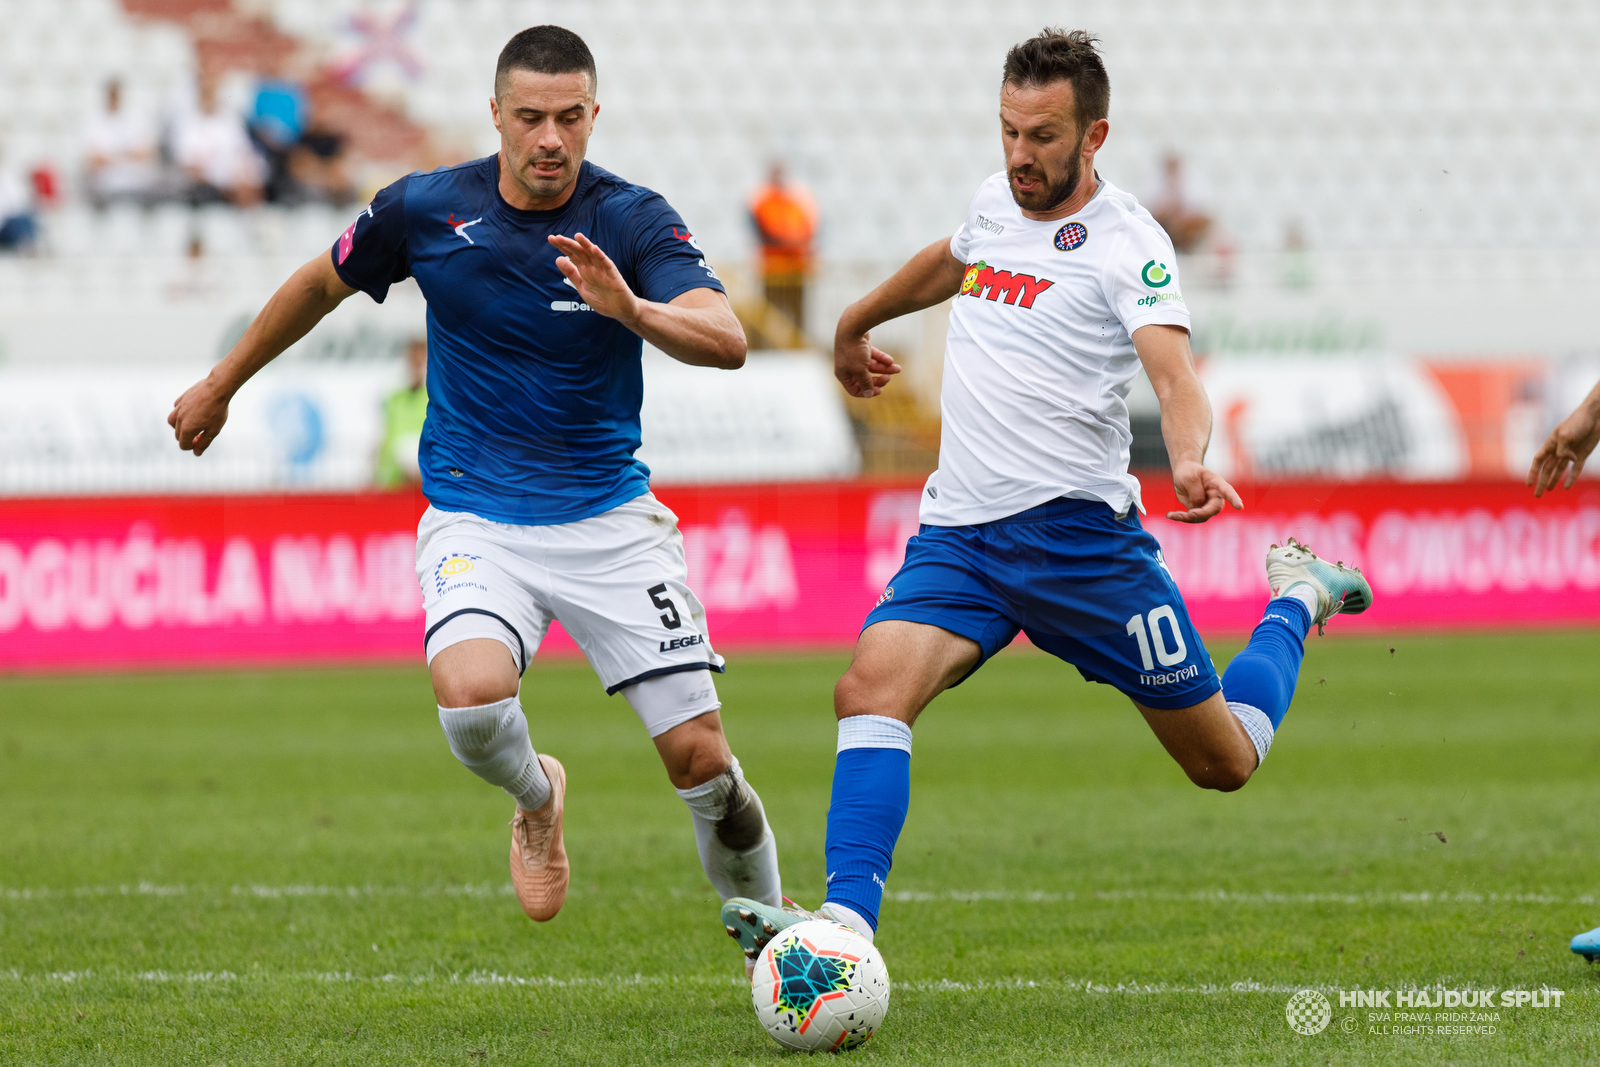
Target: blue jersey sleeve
pixel 371 255
pixel 667 260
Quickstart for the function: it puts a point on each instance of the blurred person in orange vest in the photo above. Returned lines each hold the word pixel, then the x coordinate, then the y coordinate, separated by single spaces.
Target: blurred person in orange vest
pixel 785 218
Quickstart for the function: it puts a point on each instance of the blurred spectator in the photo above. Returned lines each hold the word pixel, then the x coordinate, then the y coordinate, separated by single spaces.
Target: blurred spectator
pixel 305 159
pixel 1172 207
pixel 195 280
pixel 785 218
pixel 120 161
pixel 277 122
pixel 215 153
pixel 1297 273
pixel 318 166
pixel 403 415
pixel 17 228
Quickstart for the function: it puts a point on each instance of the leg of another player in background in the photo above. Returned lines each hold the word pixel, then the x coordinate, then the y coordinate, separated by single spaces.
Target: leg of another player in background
pixel 1222 740
pixel 898 668
pixel 737 849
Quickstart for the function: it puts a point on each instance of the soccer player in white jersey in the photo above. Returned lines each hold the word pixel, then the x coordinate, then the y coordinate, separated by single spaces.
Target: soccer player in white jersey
pixel 1558 462
pixel 542 274
pixel 1064 286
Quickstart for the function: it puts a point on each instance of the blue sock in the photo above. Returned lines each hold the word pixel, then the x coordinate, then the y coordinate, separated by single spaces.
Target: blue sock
pixel 1263 676
pixel 871 792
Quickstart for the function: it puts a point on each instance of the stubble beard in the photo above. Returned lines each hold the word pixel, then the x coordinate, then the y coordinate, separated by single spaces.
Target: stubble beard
pixel 1053 194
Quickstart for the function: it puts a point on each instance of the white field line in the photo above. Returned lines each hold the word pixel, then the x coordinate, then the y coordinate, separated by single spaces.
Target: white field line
pixel 493 889
pixel 1087 986
pixel 1224 896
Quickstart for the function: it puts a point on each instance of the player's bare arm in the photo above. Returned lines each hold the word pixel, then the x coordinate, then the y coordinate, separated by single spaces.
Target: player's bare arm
pixel 698 327
pixel 299 304
pixel 1185 422
pixel 1567 447
pixel 930 277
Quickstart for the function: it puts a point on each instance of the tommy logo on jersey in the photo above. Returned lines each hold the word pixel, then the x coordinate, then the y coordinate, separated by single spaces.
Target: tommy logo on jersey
pixel 986 281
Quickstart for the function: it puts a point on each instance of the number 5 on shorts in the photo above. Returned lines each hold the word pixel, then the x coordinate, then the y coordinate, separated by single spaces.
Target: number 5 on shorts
pixel 1136 629
pixel 672 620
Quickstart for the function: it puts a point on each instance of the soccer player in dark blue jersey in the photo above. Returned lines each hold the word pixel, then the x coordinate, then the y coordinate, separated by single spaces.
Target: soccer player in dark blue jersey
pixel 543 275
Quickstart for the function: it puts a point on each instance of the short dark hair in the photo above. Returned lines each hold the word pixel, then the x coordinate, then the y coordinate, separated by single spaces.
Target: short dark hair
pixel 1057 55
pixel 544 50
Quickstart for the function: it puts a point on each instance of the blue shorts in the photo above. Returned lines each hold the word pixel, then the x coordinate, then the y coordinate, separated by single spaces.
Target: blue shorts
pixel 1084 585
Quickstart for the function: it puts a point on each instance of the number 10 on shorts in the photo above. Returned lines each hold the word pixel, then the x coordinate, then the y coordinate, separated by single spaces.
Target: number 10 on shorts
pixel 1146 629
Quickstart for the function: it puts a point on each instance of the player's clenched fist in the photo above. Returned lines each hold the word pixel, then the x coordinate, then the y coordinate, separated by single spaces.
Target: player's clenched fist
pixel 197 416
pixel 596 278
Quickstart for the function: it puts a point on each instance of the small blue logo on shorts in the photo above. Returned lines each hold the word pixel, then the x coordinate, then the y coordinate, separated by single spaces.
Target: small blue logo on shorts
pixel 1071 236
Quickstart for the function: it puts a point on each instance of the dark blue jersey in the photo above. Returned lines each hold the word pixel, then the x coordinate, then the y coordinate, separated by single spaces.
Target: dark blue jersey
pixel 533 398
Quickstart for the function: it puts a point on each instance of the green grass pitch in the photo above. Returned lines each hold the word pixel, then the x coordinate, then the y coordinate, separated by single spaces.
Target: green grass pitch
pixel 289 867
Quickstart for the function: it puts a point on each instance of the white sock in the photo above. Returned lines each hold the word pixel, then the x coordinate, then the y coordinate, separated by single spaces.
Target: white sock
pixel 873 731
pixel 737 849
pixel 849 916
pixel 491 740
pixel 1256 724
pixel 1303 592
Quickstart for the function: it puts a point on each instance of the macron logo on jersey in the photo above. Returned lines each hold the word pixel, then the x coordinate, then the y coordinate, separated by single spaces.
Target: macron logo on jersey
pixel 991 282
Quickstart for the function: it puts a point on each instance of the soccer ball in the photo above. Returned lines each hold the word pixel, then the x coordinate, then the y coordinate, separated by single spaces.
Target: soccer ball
pixel 820 986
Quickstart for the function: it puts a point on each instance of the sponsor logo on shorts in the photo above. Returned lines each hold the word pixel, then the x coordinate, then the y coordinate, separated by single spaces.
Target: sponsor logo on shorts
pixel 887 594
pixel 449 569
pixel 683 642
pixel 1071 236
pixel 1189 673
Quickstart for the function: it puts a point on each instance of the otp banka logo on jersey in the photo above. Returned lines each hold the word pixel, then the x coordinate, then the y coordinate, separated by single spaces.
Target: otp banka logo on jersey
pixel 986 281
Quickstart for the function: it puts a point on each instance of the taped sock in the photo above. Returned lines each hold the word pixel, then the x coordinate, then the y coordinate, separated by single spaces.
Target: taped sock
pixel 737 849
pixel 871 795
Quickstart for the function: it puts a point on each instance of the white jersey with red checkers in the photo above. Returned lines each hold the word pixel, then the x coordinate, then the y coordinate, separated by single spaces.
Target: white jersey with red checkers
pixel 1039 357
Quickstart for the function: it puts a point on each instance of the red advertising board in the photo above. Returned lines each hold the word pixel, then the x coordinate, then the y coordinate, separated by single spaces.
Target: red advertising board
pixel 175 581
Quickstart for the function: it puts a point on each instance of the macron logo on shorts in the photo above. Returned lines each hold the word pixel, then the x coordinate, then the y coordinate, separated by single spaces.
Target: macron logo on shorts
pixel 1189 673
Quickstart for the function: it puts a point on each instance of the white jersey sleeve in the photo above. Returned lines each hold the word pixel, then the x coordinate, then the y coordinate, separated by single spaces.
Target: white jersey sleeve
pixel 1141 277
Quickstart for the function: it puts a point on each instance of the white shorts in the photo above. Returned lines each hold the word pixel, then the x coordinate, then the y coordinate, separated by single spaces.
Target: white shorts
pixel 617 582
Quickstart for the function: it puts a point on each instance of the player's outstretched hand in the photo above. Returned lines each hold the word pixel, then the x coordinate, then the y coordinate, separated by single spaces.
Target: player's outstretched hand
pixel 862 369
pixel 1202 492
pixel 1566 449
pixel 596 278
pixel 197 416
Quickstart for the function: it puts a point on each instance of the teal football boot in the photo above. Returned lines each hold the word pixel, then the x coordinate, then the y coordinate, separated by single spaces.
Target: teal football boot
pixel 1588 945
pixel 752 924
pixel 1340 590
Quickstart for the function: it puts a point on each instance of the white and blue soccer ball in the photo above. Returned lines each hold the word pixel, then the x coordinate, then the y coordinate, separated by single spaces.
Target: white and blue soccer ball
pixel 820 987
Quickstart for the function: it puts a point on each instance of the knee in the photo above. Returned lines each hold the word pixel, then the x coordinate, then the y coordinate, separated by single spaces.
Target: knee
pixel 695 752
pixel 459 682
pixel 708 758
pixel 856 694
pixel 1225 774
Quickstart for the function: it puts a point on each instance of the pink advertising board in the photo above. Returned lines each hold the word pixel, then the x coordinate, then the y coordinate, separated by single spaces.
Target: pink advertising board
pixel 103 583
